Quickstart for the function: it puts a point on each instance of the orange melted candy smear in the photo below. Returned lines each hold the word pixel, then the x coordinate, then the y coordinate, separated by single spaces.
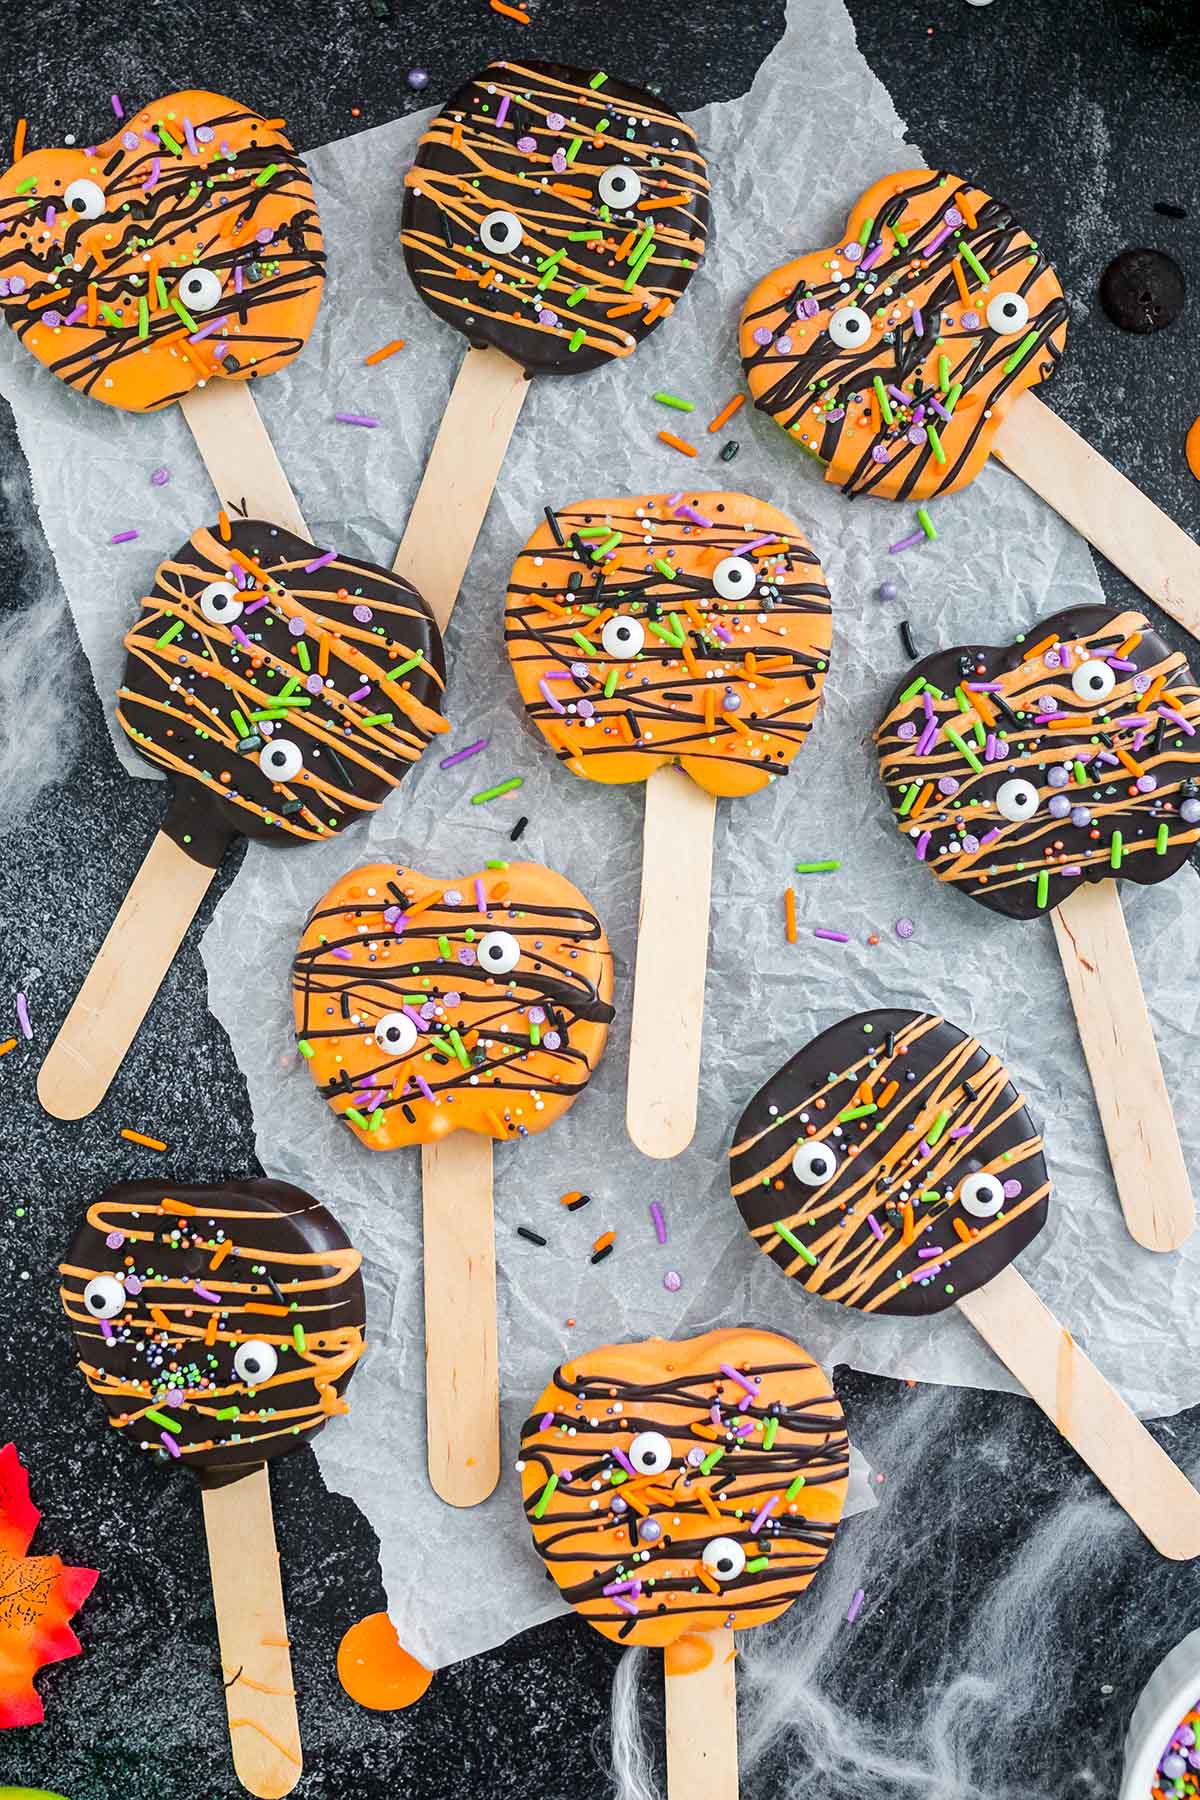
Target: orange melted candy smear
pixel 186 247
pixel 684 628
pixel 477 1003
pixel 677 1488
pixel 376 1670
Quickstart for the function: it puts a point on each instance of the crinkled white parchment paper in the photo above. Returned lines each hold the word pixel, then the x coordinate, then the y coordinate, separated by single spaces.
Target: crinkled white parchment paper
pixel 783 181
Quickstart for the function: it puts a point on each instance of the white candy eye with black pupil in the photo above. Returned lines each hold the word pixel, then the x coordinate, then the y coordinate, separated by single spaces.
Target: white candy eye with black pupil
pixel 620 187
pixel 1093 679
pixel 1008 313
pixel 281 760
pixel 200 290
pixel 498 952
pixel 255 1362
pixel 724 1558
pixel 650 1453
pixel 735 578
pixel 104 1296
pixel 220 604
pixel 622 636
pixel 396 1033
pixel 981 1195
pixel 501 232
pixel 1017 800
pixel 814 1164
pixel 85 199
pixel 850 328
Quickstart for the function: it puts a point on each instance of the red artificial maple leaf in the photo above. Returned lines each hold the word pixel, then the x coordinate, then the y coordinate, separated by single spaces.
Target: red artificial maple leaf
pixel 38 1594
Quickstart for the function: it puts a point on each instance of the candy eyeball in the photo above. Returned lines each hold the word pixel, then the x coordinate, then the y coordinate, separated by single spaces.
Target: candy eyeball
pixel 622 636
pixel 650 1453
pixel 982 1195
pixel 724 1558
pixel 814 1164
pixel 220 604
pixel 498 952
pixel 501 232
pixel 1017 800
pixel 620 187
pixel 850 328
pixel 395 1033
pixel 104 1296
pixel 85 199
pixel 281 760
pixel 1093 679
pixel 735 578
pixel 200 290
pixel 255 1362
pixel 1008 313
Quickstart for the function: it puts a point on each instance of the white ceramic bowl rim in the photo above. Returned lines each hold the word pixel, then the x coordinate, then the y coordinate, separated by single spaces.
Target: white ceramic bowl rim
pixel 1166 1697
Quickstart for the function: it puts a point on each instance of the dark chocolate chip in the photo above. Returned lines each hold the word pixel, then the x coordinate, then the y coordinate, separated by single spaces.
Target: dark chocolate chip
pixel 1143 290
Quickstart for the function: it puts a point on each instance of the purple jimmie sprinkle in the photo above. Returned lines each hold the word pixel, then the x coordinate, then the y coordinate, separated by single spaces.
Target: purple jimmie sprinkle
pixel 344 418
pixel 319 562
pixel 458 756
pixel 660 1224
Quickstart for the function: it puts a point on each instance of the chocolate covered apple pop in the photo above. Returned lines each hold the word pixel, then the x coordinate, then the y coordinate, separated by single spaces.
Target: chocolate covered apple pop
pixel 452 1013
pixel 1035 776
pixel 219 1326
pixel 893 1167
pixel 670 629
pixel 687 1488
pixel 178 261
pixel 905 354
pixel 554 217
pixel 287 690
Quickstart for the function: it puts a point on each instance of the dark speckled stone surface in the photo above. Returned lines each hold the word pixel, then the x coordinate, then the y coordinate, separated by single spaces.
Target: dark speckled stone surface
pixel 1085 115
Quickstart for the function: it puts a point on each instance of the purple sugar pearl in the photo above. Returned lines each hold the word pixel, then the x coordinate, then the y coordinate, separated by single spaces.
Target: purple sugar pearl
pixel 1080 816
pixel 1060 806
pixel 417 79
pixel 1189 812
pixel 762 334
pixel 363 614
pixel 1058 777
pixel 948 785
pixel 673 1281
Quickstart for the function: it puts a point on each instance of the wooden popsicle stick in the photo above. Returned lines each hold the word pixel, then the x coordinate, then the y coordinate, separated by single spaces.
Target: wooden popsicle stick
pixel 462 1380
pixel 1103 505
pixel 260 1697
pixel 672 961
pixel 459 477
pixel 162 901
pixel 239 456
pixel 702 1756
pixel 1122 1059
pixel 1090 1414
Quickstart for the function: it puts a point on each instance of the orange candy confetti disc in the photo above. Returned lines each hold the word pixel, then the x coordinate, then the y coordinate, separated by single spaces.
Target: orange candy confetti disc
pixel 375 1670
